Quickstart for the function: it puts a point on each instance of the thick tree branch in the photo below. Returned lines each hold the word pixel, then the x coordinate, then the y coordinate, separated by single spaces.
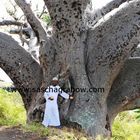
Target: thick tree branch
pixel 10 22
pixel 66 15
pixel 111 6
pixel 24 71
pixel 110 43
pixel 125 92
pixel 93 16
pixel 32 19
pixel 66 18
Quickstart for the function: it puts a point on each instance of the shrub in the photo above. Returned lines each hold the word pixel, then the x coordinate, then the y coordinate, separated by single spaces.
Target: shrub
pixel 12 110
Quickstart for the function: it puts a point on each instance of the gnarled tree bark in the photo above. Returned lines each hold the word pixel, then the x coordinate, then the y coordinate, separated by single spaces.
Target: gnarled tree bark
pixel 23 70
pixel 125 91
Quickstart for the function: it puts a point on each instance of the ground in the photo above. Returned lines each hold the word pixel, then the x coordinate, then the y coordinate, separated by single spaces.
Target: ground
pixel 15 133
pixel 32 132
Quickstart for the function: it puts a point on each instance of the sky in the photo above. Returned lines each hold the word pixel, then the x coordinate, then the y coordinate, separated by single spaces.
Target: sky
pixel 3 14
pixel 100 3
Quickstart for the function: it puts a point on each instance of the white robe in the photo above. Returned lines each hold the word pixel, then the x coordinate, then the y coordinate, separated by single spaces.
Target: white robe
pixel 51 115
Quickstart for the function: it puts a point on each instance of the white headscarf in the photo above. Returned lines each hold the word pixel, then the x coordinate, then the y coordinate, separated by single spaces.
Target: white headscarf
pixel 55 79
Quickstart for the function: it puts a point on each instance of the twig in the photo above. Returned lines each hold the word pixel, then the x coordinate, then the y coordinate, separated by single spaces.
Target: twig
pixel 10 22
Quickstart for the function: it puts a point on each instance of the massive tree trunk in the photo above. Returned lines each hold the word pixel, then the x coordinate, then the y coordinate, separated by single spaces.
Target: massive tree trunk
pixel 84 55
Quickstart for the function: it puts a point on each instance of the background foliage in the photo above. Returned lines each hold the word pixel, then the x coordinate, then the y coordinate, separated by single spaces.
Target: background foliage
pixel 12 111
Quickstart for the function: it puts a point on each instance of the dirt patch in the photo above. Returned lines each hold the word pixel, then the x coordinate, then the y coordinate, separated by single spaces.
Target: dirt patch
pixel 15 133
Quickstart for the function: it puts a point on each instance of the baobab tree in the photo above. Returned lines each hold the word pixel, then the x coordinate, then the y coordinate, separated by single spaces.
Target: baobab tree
pixel 87 49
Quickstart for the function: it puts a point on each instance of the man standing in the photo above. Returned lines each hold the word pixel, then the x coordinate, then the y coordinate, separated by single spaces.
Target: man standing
pixel 51 116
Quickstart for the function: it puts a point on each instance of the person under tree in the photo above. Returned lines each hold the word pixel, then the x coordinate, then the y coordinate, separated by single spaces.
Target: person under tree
pixel 51 115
